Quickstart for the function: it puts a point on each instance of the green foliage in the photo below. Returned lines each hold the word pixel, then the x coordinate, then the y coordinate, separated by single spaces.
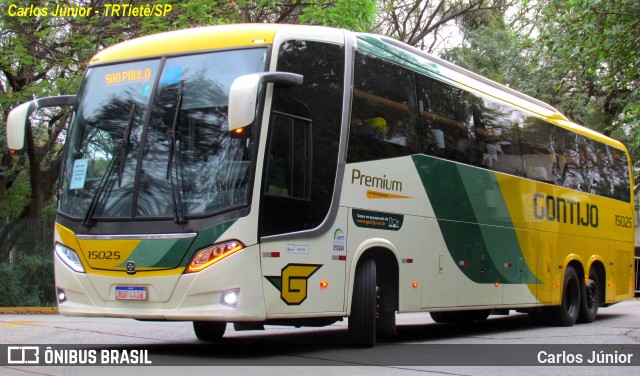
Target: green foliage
pixel 16 197
pixel 598 44
pixel 355 15
pixel 27 281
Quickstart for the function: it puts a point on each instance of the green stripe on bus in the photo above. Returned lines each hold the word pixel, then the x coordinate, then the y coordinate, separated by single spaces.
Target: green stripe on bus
pixel 158 253
pixel 474 220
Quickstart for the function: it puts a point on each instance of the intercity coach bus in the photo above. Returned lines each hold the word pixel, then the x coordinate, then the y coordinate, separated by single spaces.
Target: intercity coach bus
pixel 296 175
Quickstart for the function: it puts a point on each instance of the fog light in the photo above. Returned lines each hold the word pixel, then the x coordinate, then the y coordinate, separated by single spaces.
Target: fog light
pixel 62 296
pixel 230 298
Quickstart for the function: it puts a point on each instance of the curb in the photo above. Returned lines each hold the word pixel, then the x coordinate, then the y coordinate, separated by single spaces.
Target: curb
pixel 28 310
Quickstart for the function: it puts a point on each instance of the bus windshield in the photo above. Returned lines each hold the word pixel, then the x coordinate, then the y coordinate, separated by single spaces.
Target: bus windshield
pixel 150 139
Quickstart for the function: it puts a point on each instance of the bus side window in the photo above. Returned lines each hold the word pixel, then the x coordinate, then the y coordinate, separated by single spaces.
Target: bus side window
pixel 619 174
pixel 537 143
pixel 445 121
pixel 497 132
pixel 382 120
pixel 569 160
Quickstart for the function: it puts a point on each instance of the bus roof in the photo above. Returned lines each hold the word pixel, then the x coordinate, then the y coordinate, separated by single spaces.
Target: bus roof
pixel 180 41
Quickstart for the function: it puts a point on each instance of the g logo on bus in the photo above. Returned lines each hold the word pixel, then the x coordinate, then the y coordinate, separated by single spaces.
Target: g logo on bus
pixel 292 282
pixel 131 267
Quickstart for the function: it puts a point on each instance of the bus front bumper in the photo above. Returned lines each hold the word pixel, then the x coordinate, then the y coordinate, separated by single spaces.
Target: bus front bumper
pixel 194 296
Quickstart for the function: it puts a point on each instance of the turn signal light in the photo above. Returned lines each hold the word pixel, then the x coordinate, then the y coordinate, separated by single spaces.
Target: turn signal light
pixel 210 255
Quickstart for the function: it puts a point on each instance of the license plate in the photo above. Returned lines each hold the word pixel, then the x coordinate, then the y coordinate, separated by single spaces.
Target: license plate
pixel 131 293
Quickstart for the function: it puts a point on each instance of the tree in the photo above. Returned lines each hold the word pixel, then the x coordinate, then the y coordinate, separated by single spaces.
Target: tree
pixel 598 45
pixel 488 46
pixel 423 23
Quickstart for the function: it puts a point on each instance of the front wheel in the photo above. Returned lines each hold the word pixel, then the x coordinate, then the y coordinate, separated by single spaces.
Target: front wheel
pixel 362 321
pixel 590 299
pixel 209 330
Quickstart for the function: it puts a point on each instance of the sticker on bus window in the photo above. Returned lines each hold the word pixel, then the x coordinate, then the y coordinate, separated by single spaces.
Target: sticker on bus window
pixel 171 75
pixel 146 91
pixel 79 173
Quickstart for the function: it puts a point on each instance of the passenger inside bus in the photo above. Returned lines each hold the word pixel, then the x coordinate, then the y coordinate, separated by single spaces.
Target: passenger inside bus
pixel 360 129
pixel 398 135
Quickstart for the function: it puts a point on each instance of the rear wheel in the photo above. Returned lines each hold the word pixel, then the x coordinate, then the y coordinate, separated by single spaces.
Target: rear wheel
pixel 362 321
pixel 566 314
pixel 590 298
pixel 209 330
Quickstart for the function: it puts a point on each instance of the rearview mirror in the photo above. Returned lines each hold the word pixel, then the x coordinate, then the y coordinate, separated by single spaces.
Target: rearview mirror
pixel 243 96
pixel 17 118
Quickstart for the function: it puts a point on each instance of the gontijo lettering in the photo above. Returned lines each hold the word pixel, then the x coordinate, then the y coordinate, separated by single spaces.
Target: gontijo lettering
pixel 563 210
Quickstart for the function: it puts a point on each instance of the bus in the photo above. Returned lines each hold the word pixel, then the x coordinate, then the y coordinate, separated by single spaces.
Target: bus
pixel 267 174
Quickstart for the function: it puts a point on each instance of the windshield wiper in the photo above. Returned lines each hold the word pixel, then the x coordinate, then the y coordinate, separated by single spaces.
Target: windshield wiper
pixel 176 187
pixel 88 218
pixel 125 146
pixel 118 159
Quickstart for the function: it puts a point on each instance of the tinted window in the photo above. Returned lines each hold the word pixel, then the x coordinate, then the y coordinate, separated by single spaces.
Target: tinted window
pixel 304 136
pixel 619 174
pixel 537 144
pixel 382 124
pixel 445 120
pixel 134 153
pixel 497 132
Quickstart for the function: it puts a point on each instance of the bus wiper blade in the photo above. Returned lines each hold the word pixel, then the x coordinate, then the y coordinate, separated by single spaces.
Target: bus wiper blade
pixel 174 133
pixel 176 187
pixel 88 218
pixel 125 146
pixel 176 195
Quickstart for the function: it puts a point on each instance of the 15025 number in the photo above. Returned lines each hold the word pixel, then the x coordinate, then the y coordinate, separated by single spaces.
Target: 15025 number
pixel 104 255
pixel 622 221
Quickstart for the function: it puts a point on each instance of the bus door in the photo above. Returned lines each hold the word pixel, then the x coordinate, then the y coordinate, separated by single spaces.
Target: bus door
pixel 303 269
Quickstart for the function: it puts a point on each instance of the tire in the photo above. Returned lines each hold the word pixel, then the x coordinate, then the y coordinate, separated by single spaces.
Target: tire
pixel 459 317
pixel 362 321
pixel 566 314
pixel 590 298
pixel 209 330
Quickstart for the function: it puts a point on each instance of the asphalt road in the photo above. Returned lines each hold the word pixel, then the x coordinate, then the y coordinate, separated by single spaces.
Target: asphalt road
pixel 420 347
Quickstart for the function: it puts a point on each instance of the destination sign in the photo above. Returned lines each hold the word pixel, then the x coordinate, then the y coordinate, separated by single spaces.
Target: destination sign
pixel 130 75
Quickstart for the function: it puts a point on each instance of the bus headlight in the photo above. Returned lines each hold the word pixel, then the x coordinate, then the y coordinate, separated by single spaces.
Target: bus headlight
pixel 69 257
pixel 210 255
